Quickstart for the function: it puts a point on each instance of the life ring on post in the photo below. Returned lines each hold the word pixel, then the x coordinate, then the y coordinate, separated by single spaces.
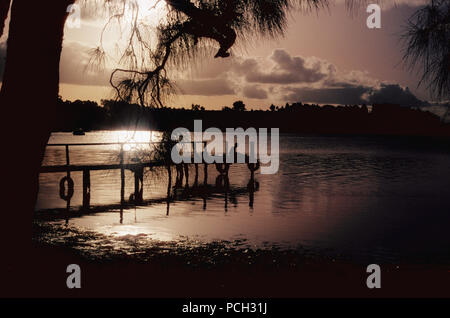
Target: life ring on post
pixel 62 188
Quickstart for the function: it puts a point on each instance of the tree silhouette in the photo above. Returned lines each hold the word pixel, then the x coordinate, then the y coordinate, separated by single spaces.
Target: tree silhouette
pixel 239 106
pixel 427 38
pixel 35 42
pixel 29 93
pixel 197 108
pixel 192 27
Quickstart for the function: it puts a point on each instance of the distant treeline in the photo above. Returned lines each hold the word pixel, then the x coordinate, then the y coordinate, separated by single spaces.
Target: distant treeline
pixel 296 117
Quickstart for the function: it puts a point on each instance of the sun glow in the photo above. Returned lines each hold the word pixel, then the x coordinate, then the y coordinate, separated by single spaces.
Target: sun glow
pixel 149 11
pixel 134 140
pixel 137 21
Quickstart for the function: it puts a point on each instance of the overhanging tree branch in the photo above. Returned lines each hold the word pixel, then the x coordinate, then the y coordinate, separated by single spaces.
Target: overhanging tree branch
pixel 188 25
pixel 427 46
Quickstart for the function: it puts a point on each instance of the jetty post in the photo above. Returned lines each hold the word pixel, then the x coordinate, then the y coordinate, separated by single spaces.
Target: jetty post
pixel 138 184
pixel 86 189
pixel 122 182
pixel 68 176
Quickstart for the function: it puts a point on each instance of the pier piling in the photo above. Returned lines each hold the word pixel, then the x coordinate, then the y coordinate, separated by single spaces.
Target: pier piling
pixel 86 189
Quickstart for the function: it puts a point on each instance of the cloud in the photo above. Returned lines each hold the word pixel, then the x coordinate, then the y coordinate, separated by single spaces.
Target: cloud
pixel 209 87
pixel 346 95
pixel 395 94
pixel 74 60
pixel 350 95
pixel 209 81
pixel 286 78
pixel 309 79
pixel 213 68
pixel 286 70
pixel 254 91
pixel 279 77
pixel 390 4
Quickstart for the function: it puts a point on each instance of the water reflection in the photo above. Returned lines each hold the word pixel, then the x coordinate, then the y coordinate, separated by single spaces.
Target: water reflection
pixel 363 196
pixel 180 191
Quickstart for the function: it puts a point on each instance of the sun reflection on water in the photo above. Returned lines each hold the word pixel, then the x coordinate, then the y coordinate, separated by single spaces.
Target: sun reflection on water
pixel 135 140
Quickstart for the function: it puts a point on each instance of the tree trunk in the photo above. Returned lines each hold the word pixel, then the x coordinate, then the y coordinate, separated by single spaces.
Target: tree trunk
pixel 28 97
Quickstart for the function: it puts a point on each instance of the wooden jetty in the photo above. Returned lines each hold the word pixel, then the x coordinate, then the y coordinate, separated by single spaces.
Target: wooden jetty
pixel 136 167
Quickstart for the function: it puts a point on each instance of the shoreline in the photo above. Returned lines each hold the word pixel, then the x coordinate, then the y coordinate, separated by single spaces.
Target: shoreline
pixel 171 269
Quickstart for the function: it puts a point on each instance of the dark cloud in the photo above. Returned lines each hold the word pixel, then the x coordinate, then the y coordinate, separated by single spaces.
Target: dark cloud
pixel 386 93
pixel 394 94
pixel 286 70
pixel 326 84
pixel 246 67
pixel 347 95
pixel 210 87
pixel 255 92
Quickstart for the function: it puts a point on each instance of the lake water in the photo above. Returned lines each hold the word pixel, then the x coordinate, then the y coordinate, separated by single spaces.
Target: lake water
pixel 377 198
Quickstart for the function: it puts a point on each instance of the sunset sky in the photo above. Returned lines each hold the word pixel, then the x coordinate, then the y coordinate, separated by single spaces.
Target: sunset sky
pixel 330 57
